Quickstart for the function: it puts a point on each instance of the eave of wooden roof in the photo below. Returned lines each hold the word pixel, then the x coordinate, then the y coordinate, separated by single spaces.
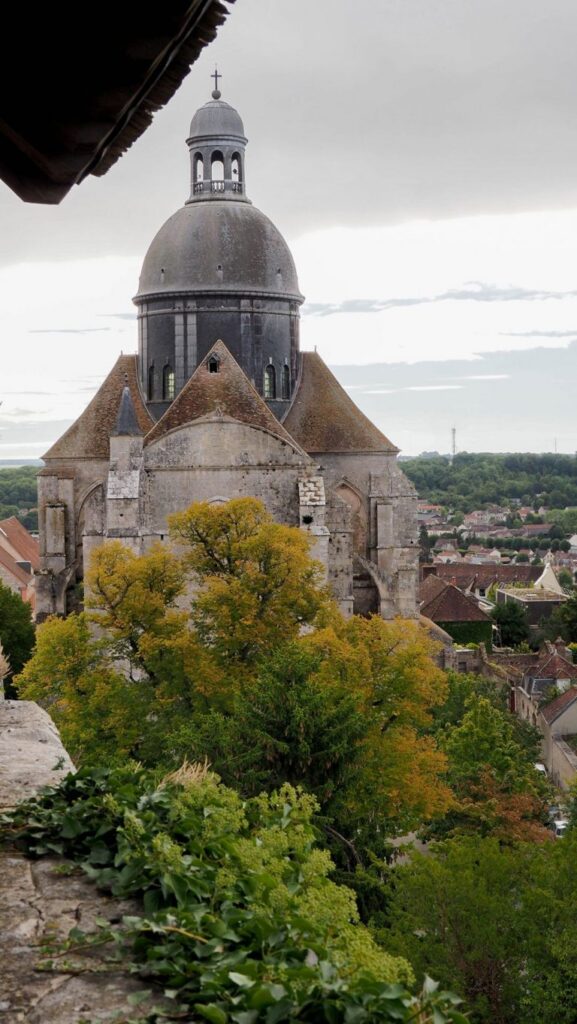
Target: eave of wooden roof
pixel 76 95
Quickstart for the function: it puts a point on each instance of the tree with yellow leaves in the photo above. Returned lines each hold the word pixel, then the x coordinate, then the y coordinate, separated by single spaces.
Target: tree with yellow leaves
pixel 227 645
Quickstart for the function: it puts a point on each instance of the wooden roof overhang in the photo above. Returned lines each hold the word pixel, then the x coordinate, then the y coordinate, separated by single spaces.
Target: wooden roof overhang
pixel 80 84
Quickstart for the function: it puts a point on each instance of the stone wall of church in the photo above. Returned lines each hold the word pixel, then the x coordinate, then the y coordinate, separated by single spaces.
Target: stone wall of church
pixel 383 505
pixel 212 459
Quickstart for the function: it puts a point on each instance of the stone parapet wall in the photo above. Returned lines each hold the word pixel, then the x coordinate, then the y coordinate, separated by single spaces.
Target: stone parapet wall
pixel 40 904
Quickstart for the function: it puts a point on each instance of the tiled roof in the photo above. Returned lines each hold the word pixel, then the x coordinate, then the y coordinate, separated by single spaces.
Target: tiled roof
pixel 21 541
pixel 556 707
pixel 12 567
pixel 430 587
pixel 322 417
pixel 451 605
pixel 227 391
pixel 554 666
pixel 466 576
pixel 89 435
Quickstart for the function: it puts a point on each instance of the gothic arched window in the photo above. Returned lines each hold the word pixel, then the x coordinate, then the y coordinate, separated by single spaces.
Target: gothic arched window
pixel 213 365
pixel 269 381
pixel 151 382
pixel 286 382
pixel 168 383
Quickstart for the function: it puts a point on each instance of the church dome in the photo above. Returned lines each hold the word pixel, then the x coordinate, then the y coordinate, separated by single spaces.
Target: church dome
pixel 216 118
pixel 219 246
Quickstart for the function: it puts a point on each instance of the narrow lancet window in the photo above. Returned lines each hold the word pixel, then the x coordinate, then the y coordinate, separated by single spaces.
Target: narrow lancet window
pixel 151 382
pixel 269 381
pixel 168 383
pixel 286 382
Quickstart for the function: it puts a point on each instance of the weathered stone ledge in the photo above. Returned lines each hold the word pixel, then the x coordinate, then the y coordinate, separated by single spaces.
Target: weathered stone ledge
pixel 40 902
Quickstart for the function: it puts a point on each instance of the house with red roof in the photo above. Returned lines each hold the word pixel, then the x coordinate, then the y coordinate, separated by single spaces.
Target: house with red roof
pixel 19 558
pixel 453 611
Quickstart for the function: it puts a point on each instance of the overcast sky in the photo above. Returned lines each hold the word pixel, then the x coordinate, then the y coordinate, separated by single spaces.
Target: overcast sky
pixel 419 156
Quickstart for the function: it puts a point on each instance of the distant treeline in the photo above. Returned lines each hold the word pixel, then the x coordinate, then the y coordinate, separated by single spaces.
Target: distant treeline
pixel 18 493
pixel 475 480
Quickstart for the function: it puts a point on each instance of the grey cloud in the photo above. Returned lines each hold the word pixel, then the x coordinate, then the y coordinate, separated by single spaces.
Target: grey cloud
pixel 68 330
pixel 539 334
pixel 119 316
pixel 477 291
pixel 398 111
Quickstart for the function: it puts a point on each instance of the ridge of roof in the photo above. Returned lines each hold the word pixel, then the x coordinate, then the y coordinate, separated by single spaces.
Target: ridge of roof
pixel 323 418
pixel 554 665
pixel 227 392
pixel 452 605
pixel 489 573
pixel 21 540
pixel 12 566
pixel 89 435
pixel 552 710
pixel 430 587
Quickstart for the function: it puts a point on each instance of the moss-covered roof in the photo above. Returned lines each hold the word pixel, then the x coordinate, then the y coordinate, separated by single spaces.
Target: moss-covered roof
pixel 89 435
pixel 322 417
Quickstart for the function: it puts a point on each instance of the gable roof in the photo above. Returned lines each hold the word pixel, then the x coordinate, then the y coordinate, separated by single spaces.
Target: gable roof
pixel 20 540
pixel 89 435
pixel 11 565
pixel 556 707
pixel 451 605
pixel 467 576
pixel 554 666
pixel 322 417
pixel 227 392
pixel 430 588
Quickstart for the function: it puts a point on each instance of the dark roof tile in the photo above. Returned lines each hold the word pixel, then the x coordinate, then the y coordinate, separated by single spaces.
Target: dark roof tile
pixel 451 605
pixel 89 435
pixel 227 391
pixel 322 417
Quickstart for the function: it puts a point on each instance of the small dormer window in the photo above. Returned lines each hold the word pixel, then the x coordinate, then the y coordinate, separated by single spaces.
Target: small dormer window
pixel 269 381
pixel 213 365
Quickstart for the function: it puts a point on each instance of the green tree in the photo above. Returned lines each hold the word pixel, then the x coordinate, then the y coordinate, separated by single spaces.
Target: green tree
pixel 460 914
pixel 16 632
pixel 338 708
pixel 485 740
pixel 511 619
pixel 259 584
pixel 563 621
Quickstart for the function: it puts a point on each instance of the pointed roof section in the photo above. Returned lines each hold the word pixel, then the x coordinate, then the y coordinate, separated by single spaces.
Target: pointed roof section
pixel 126 422
pixel 15 538
pixel 219 387
pixel 556 707
pixel 88 437
pixel 430 588
pixel 322 417
pixel 548 581
pixel 451 605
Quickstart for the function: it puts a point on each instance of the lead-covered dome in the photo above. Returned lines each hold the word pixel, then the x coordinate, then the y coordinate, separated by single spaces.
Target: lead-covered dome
pixel 216 118
pixel 219 246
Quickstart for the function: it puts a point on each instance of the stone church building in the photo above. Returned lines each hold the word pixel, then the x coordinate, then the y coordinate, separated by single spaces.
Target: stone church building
pixel 219 402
